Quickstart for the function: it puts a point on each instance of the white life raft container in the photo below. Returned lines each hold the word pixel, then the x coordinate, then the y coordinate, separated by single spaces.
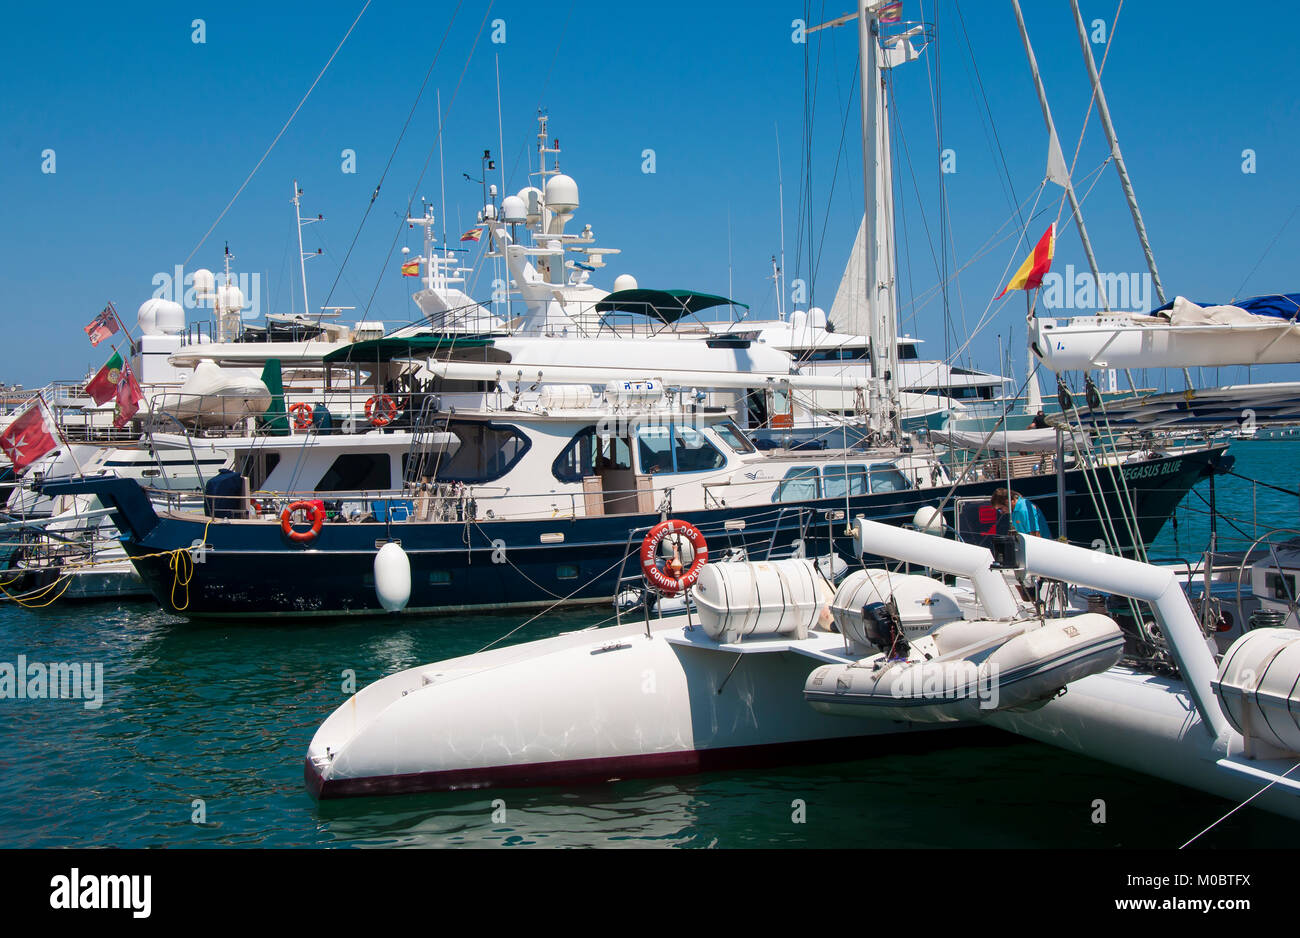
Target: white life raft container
pixel 779 597
pixel 1259 687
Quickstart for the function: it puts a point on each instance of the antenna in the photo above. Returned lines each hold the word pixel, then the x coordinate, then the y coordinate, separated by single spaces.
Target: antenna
pixel 780 190
pixel 302 255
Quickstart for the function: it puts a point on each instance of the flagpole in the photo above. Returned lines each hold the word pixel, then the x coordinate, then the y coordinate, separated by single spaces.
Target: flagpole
pixel 122 325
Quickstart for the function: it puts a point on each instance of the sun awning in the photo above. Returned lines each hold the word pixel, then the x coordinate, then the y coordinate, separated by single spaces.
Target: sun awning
pixel 416 346
pixel 667 305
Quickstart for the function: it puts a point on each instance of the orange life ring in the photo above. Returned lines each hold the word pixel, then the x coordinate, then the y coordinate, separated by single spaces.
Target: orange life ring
pixel 673 581
pixel 302 413
pixel 317 519
pixel 385 413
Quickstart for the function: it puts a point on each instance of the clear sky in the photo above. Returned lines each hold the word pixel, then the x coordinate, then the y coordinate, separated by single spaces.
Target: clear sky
pixel 153 132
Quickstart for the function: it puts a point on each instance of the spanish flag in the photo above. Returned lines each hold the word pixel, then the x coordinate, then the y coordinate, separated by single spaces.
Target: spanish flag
pixel 472 235
pixel 411 268
pixel 1036 265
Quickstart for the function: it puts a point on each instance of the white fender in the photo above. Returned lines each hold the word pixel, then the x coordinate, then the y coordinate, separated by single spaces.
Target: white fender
pixel 392 577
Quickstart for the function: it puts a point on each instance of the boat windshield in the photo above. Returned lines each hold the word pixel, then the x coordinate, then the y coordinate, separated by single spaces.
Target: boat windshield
pixel 486 452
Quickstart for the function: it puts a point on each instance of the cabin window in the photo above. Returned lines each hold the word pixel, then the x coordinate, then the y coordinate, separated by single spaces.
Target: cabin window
pixel 800 484
pixel 887 479
pixel 839 481
pixel 357 472
pixel 732 436
pixel 487 451
pixel 677 449
pixel 588 454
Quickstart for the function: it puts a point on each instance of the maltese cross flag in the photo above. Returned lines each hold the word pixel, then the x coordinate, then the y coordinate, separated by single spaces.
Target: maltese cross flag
pixel 28 438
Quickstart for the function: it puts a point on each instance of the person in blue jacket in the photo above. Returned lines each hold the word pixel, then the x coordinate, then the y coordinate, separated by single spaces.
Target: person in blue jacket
pixel 1025 515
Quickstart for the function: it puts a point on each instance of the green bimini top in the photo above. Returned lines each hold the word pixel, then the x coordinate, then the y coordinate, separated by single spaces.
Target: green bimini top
pixel 388 348
pixel 668 305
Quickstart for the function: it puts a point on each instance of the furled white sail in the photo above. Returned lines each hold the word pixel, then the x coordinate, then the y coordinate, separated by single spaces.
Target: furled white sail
pixel 851 310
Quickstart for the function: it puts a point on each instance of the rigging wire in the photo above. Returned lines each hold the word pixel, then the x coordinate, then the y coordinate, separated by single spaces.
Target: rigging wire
pixel 374 195
pixel 277 136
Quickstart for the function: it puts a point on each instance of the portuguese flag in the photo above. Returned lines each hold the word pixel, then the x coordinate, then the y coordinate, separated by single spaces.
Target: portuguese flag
pixel 1036 265
pixel 103 387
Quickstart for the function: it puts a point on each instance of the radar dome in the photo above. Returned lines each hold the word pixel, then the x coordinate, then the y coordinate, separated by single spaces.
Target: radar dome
pixel 562 194
pixel 624 282
pixel 532 197
pixel 169 317
pixel 147 317
pixel 230 297
pixel 513 210
pixel 817 317
pixel 204 282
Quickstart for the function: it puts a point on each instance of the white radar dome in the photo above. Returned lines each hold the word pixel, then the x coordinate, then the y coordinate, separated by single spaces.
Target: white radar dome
pixel 147 317
pixel 230 296
pixel 624 282
pixel 204 282
pixel 532 197
pixel 169 317
pixel 513 210
pixel 817 317
pixel 562 194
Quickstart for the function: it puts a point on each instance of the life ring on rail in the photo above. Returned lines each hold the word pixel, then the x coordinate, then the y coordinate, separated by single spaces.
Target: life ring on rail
pixel 317 519
pixel 384 414
pixel 301 413
pixel 673 580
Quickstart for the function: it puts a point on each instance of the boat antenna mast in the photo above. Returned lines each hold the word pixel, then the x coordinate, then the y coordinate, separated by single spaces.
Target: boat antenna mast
pixel 303 255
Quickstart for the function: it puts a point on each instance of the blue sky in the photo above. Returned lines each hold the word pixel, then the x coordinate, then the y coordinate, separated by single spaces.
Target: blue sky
pixel 153 133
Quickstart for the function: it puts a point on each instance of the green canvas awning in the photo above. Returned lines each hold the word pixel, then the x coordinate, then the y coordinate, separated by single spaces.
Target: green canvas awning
pixel 388 348
pixel 667 305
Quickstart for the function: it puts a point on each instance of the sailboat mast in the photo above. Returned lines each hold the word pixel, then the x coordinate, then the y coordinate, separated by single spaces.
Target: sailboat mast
pixel 1055 155
pixel 1103 111
pixel 883 371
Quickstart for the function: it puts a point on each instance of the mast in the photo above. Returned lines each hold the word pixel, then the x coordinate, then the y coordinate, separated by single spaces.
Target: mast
pixel 302 255
pixel 869 82
pixel 1103 111
pixel 1056 160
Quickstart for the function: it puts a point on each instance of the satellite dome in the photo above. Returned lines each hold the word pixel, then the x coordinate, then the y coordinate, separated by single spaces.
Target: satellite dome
pixel 230 297
pixel 169 317
pixel 514 210
pixel 817 317
pixel 147 317
pixel 532 197
pixel 204 282
pixel 562 194
pixel 624 282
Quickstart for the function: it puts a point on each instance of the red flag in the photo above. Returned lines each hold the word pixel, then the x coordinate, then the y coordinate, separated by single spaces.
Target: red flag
pixel 129 397
pixel 28 438
pixel 891 13
pixel 102 326
pixel 103 387
pixel 472 235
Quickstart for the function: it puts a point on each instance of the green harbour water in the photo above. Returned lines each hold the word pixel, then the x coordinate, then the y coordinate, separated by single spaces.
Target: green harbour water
pixel 212 722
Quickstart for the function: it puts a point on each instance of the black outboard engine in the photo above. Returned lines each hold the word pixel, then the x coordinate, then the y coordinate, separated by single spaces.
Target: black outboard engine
pixel 884 629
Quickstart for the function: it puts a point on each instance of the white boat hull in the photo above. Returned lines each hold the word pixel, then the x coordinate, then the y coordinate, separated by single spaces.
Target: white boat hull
pixel 586 707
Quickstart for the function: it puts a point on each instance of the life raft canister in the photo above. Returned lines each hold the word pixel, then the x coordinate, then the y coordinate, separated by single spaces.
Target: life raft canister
pixel 672 581
pixel 317 512
pixel 384 413
pixel 301 413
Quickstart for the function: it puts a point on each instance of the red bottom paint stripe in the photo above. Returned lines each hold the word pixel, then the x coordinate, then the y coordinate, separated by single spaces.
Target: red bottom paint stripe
pixel 647 765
